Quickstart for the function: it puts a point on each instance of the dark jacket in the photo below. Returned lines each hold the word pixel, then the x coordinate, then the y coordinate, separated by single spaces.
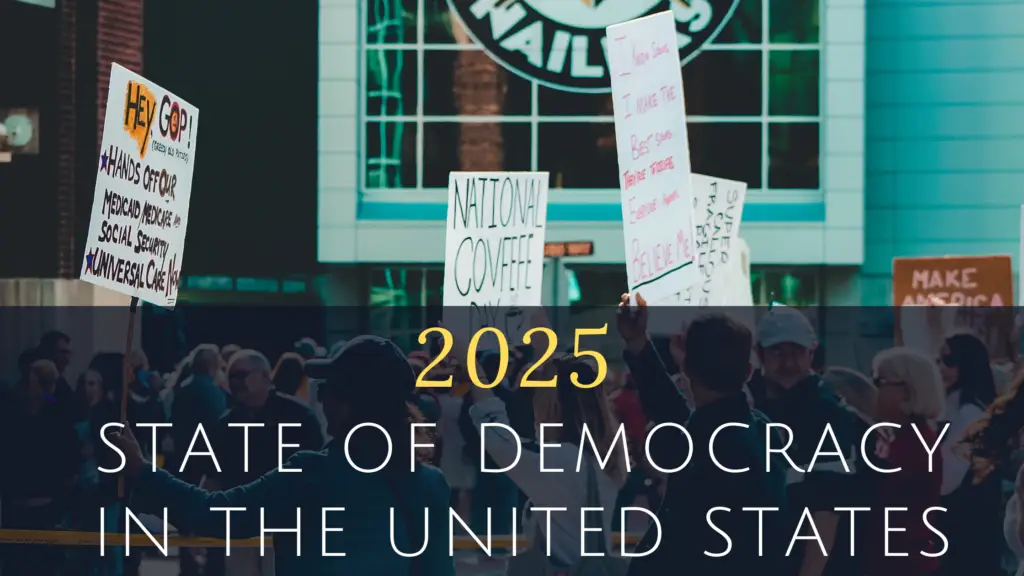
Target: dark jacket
pixel 807 409
pixel 199 401
pixel 228 442
pixel 687 534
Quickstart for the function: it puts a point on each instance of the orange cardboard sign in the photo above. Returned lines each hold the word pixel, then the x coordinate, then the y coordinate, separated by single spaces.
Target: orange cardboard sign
pixel 980 286
pixel 953 281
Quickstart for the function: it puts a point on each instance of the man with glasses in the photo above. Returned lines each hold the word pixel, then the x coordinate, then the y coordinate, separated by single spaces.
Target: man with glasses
pixel 790 392
pixel 259 411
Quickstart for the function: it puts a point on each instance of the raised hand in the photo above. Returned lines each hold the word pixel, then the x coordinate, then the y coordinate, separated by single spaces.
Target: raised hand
pixel 632 323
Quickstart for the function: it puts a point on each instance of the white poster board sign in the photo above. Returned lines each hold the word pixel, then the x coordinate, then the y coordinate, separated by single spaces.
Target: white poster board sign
pixel 738 291
pixel 143 186
pixel 717 212
pixel 654 156
pixel 723 258
pixel 494 251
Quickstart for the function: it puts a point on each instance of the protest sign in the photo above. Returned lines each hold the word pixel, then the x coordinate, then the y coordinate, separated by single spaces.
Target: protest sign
pixel 143 186
pixel 937 296
pixel 653 155
pixel 494 250
pixel 722 281
pixel 717 211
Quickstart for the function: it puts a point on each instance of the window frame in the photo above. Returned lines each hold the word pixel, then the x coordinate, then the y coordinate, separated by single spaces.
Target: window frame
pixel 534 119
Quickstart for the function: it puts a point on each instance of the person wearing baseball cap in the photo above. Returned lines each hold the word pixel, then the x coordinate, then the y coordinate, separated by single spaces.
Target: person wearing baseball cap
pixel 789 392
pixel 354 483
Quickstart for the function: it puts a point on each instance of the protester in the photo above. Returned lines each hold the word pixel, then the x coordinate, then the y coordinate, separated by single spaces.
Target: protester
pixel 257 403
pixel 496 491
pixel 368 382
pixel 788 391
pixel 458 470
pixel 642 480
pixel 972 520
pixel 564 410
pixel 970 388
pixel 40 467
pixel 911 395
pixel 1013 523
pixel 55 346
pixel 716 364
pixel 93 402
pixel 227 351
pixel 988 441
pixel 95 407
pixel 182 372
pixel 197 401
pixel 856 389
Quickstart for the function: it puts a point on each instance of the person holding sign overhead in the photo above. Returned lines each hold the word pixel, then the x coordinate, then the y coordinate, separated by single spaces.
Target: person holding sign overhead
pixel 700 492
pixel 653 156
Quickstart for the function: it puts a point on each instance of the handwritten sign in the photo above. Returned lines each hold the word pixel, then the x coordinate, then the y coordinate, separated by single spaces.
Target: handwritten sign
pixel 723 259
pixel 654 156
pixel 718 211
pixel 143 186
pixel 941 295
pixel 955 281
pixel 494 250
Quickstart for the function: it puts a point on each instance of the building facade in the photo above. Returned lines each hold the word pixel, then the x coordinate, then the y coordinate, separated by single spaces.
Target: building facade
pixel 408 93
pixel 945 134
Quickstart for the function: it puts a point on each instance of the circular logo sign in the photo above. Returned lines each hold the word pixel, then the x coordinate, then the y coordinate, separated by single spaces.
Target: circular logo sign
pixel 561 43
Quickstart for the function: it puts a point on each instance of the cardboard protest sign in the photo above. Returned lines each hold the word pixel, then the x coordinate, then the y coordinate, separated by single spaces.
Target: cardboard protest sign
pixel 143 186
pixel 653 155
pixel 494 250
pixel 723 261
pixel 718 212
pixel 940 295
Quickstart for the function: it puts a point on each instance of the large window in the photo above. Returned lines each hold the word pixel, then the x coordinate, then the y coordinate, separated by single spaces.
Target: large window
pixel 435 103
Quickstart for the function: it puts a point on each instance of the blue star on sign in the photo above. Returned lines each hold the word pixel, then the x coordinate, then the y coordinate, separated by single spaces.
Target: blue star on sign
pixel 103 161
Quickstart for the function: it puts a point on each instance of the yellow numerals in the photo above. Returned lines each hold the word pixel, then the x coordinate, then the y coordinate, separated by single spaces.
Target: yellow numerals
pixel 446 337
pixel 503 358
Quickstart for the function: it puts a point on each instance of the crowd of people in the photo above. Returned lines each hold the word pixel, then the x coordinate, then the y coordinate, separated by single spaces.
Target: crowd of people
pixel 719 372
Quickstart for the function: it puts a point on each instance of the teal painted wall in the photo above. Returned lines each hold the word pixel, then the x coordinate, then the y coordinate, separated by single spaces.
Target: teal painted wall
pixel 944 132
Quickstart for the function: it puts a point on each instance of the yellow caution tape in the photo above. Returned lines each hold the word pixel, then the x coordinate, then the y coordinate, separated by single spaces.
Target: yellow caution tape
pixel 71 538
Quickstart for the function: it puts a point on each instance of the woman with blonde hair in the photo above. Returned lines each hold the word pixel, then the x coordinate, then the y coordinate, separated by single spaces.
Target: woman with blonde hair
pixel 911 396
pixel 855 389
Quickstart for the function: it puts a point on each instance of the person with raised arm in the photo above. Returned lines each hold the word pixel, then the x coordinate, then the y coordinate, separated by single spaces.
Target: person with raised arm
pixel 705 528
